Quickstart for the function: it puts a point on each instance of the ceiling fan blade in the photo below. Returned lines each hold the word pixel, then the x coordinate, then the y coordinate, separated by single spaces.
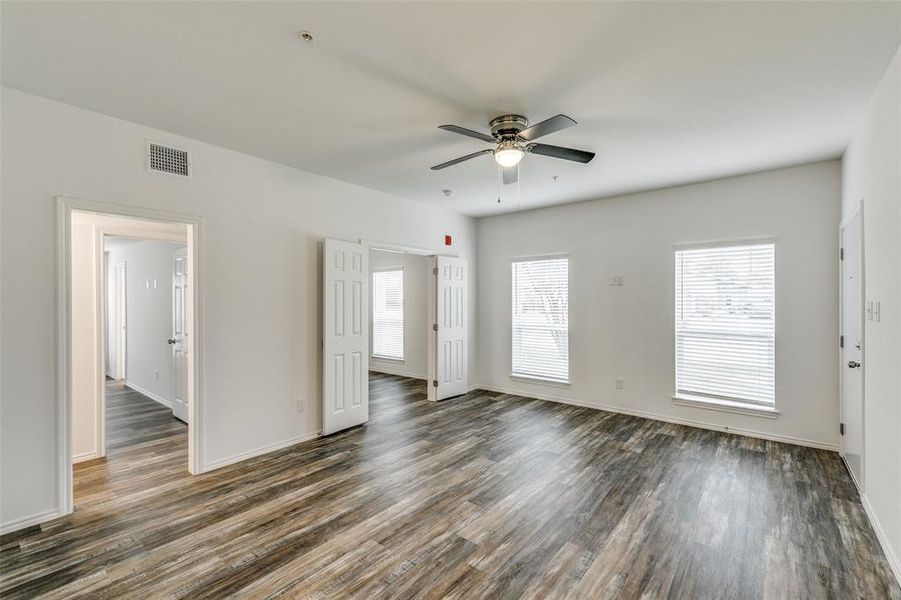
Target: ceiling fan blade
pixel 545 127
pixel 468 132
pixel 511 174
pixel 461 159
pixel 559 152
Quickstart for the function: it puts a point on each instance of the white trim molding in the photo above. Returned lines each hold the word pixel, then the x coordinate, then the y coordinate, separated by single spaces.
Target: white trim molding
pixel 85 456
pixel 737 407
pixel 890 555
pixel 667 419
pixel 149 394
pixel 390 370
pixel 236 458
pixel 35 519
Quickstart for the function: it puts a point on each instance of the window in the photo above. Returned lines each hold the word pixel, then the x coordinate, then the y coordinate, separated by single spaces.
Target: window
pixel 541 319
pixel 725 323
pixel 388 314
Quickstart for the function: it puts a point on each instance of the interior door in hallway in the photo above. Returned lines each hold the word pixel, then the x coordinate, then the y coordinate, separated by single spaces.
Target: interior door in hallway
pixel 345 333
pixel 450 370
pixel 852 350
pixel 179 339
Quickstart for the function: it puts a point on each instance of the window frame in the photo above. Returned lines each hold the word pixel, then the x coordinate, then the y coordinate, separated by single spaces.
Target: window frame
pixel 403 291
pixel 712 401
pixel 527 377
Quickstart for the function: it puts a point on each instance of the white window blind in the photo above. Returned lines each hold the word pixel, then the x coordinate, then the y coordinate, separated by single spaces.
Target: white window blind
pixel 725 323
pixel 541 318
pixel 388 314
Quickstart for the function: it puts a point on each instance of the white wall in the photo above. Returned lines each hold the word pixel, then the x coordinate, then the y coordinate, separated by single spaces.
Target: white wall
pixel 416 333
pixel 872 172
pixel 628 332
pixel 263 227
pixel 148 300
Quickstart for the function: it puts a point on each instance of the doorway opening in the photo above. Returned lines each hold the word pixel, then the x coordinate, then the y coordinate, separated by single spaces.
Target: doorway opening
pixel 390 309
pixel 418 317
pixel 129 349
pixel 399 315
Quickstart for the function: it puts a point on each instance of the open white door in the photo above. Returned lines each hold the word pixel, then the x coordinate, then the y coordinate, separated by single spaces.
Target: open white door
pixel 852 351
pixel 345 332
pixel 179 339
pixel 450 370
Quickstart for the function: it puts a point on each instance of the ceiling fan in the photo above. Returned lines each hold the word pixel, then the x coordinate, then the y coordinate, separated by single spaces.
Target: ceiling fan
pixel 513 138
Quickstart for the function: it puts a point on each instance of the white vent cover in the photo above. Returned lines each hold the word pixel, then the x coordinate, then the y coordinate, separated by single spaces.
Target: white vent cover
pixel 165 159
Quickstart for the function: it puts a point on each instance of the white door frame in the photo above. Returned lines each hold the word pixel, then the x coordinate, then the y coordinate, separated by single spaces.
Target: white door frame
pixel 101 294
pixel 856 211
pixel 64 208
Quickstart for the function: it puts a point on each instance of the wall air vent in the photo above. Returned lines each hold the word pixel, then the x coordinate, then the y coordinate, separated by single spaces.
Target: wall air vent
pixel 165 159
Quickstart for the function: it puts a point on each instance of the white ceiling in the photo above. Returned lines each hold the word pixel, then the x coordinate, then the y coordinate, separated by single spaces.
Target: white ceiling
pixel 665 93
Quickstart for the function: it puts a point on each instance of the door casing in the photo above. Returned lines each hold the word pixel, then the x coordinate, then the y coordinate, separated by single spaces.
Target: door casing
pixel 65 206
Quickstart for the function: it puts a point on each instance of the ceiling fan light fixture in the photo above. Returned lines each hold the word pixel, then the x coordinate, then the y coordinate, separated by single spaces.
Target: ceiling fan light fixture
pixel 508 154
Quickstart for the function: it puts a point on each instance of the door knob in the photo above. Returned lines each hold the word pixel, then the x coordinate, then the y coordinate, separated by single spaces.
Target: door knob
pixel 853 364
pixel 171 340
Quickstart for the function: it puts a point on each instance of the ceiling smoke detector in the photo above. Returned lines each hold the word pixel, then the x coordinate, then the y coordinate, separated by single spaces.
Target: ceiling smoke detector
pixel 306 36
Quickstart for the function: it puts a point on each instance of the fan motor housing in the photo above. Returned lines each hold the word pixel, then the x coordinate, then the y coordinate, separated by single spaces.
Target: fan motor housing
pixel 508 126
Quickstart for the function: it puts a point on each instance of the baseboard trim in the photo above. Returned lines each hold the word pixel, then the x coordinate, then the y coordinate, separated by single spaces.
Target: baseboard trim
pixel 398 372
pixel 149 394
pixel 667 419
pixel 236 458
pixel 85 456
pixel 35 519
pixel 890 555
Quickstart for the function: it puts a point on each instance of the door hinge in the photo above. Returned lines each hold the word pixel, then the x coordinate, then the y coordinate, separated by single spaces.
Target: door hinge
pixel 841 254
pixel 434 270
pixel 841 341
pixel 435 327
pixel 434 383
pixel 841 428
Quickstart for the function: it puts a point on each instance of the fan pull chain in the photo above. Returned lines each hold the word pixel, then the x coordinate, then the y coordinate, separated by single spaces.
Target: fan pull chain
pixel 518 178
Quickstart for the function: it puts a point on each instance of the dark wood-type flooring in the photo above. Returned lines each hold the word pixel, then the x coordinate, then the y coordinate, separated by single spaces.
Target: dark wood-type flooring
pixel 485 495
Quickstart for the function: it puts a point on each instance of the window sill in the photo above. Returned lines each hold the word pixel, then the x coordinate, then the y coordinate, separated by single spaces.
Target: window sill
pixel 399 361
pixel 725 405
pixel 539 380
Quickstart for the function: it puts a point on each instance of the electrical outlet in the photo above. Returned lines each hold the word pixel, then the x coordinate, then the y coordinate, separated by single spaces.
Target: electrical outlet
pixel 619 384
pixel 301 404
pixel 617 281
pixel 157 374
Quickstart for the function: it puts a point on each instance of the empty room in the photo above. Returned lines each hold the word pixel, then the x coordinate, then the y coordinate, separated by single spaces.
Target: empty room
pixel 450 299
